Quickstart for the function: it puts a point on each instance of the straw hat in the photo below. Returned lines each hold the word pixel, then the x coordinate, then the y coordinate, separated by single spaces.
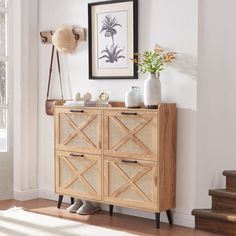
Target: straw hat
pixel 64 39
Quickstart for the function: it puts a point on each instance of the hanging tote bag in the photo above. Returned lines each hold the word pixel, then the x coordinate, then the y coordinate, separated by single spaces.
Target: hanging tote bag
pixel 51 103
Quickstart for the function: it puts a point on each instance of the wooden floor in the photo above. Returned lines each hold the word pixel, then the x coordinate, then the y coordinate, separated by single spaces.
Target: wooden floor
pixel 130 224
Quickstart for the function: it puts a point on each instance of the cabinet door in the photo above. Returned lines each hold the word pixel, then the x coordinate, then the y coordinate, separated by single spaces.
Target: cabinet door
pixel 78 130
pixel 130 183
pixel 131 134
pixel 78 175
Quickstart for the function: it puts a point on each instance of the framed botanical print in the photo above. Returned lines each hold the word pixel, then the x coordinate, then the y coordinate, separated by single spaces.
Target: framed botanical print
pixel 113 39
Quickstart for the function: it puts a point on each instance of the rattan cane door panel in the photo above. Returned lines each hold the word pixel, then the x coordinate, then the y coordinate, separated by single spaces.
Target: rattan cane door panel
pixel 78 130
pixel 130 183
pixel 78 175
pixel 131 134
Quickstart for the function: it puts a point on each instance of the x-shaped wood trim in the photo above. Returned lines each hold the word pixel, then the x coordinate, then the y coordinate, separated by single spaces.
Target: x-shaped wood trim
pixel 78 175
pixel 130 182
pixel 78 130
pixel 131 134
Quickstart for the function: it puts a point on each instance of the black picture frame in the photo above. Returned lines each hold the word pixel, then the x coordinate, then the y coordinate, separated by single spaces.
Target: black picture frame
pixel 112 73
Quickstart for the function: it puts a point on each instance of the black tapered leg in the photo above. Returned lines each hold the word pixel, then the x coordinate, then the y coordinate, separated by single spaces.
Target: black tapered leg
pixel 169 215
pixel 111 210
pixel 157 216
pixel 60 198
pixel 72 200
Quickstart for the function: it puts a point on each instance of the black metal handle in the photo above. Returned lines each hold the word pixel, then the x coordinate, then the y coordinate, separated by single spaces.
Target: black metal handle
pixel 76 155
pixel 129 161
pixel 77 111
pixel 129 113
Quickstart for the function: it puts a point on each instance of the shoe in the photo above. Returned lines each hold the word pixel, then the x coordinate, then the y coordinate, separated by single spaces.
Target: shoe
pixel 74 207
pixel 87 209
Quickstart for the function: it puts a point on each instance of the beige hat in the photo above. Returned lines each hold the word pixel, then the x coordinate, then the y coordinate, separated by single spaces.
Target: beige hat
pixel 64 39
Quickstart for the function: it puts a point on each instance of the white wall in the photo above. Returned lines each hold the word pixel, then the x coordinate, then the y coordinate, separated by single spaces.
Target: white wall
pixel 216 149
pixel 172 24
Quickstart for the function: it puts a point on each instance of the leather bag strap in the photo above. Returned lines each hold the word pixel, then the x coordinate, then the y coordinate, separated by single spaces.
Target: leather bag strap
pixel 50 72
pixel 59 70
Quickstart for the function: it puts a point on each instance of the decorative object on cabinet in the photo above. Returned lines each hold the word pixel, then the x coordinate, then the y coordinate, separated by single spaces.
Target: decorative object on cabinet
pixel 152 91
pixel 79 34
pixel 81 101
pixel 117 156
pixel 113 38
pixel 133 98
pixel 103 97
pixel 51 103
pixel 153 62
pixel 77 97
pixel 87 97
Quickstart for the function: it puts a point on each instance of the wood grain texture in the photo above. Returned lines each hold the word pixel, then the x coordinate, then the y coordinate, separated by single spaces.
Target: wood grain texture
pixel 223 193
pixel 231 183
pixel 78 176
pixel 215 214
pixel 167 156
pixel 231 173
pixel 222 217
pixel 78 131
pixel 216 226
pixel 224 204
pixel 130 135
pixel 146 138
pixel 130 184
pixel 102 157
pixel 124 223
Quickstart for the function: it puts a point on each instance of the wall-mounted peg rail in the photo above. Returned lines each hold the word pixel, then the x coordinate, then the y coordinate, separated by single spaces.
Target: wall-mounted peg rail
pixel 46 36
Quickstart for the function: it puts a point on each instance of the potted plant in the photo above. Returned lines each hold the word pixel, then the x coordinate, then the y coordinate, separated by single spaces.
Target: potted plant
pixel 154 63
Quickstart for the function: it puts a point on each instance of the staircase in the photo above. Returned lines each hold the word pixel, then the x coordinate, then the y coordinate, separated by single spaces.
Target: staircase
pixel 222 217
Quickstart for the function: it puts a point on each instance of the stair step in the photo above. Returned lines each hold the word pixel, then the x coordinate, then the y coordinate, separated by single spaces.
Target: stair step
pixel 224 204
pixel 223 199
pixel 231 173
pixel 222 222
pixel 218 215
pixel 230 179
pixel 225 193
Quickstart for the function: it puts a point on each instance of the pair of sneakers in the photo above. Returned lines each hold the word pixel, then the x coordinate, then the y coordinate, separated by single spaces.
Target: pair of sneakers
pixel 82 207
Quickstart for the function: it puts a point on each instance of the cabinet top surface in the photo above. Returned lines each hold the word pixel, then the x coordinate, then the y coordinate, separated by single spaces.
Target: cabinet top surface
pixel 117 107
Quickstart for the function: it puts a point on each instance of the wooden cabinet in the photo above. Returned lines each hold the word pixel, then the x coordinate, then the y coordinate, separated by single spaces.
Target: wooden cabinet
pixel 78 175
pixel 78 130
pixel 130 133
pixel 118 156
pixel 130 183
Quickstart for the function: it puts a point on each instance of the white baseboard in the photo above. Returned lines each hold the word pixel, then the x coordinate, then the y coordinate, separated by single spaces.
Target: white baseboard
pixel 50 195
pixel 184 219
pixel 25 195
pixel 180 218
pixel 5 195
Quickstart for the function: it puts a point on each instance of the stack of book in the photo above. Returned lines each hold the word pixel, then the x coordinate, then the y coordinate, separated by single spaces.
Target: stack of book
pixel 81 103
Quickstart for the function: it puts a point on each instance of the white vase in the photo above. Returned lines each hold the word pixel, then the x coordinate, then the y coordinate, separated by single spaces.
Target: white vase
pixel 133 98
pixel 152 91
